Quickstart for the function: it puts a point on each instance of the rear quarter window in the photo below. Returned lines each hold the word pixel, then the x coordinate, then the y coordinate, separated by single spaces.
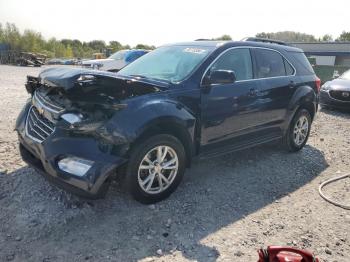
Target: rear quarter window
pixel 289 68
pixel 301 63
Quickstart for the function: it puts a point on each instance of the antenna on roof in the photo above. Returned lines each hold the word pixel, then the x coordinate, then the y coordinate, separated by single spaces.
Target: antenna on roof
pixel 264 40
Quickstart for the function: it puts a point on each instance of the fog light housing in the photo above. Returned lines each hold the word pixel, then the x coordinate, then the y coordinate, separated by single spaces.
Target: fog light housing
pixel 75 165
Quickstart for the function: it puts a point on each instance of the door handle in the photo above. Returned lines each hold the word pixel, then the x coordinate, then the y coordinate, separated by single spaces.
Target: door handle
pixel 253 92
pixel 292 84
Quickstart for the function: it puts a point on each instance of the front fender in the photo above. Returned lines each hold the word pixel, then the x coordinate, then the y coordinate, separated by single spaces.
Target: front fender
pixel 127 125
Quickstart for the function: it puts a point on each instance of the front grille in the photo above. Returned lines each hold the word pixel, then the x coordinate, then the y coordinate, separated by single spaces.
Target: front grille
pixel 38 127
pixel 339 95
pixel 46 103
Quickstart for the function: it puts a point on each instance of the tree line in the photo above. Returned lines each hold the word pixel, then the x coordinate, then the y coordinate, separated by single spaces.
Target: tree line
pixel 32 41
pixel 291 36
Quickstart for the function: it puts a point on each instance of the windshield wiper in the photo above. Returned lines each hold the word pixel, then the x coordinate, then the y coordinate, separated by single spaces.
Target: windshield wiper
pixel 151 78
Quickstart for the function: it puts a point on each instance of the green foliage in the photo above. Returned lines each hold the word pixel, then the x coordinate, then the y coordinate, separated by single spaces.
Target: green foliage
pixel 288 36
pixel 345 36
pixel 147 47
pixel 223 38
pixel 11 36
pixel 326 38
pixel 31 41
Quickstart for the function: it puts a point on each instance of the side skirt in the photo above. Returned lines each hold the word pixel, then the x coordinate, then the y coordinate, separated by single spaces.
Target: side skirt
pixel 239 146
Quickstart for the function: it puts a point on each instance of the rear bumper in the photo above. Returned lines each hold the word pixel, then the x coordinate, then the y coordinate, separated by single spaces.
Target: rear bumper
pixel 327 100
pixel 45 155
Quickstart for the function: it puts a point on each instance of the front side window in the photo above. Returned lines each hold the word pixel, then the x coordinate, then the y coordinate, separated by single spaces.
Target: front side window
pixel 269 63
pixel 237 60
pixel 169 63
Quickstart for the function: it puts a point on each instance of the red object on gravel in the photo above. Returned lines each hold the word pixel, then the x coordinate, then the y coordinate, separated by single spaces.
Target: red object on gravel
pixel 285 254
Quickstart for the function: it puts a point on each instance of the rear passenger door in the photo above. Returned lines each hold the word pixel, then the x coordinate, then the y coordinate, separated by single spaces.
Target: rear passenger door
pixel 276 86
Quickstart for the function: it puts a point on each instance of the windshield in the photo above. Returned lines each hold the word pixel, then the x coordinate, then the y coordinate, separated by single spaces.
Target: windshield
pixel 118 55
pixel 170 63
pixel 345 75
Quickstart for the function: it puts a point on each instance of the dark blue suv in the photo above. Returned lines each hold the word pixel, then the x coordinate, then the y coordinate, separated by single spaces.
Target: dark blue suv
pixel 81 127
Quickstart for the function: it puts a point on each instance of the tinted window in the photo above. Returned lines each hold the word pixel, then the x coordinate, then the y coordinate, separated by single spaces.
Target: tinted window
pixel 118 55
pixel 269 63
pixel 237 60
pixel 302 63
pixel 289 68
pixel 132 56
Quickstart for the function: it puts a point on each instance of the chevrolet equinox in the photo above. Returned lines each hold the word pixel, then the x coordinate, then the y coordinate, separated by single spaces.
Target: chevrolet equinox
pixel 146 123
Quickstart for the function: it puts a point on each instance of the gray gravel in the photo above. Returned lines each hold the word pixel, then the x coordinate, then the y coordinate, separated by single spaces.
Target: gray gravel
pixel 225 209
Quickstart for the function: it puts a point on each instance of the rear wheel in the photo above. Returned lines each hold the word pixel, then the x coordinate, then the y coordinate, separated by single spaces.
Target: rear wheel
pixel 155 168
pixel 298 131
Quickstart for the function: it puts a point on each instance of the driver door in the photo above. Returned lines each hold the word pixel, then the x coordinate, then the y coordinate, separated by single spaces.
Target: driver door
pixel 230 110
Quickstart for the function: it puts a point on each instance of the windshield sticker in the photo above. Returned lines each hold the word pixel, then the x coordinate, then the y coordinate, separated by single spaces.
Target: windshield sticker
pixel 194 50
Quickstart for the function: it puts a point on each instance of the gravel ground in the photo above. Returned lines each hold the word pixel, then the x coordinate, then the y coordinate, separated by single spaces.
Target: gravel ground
pixel 225 209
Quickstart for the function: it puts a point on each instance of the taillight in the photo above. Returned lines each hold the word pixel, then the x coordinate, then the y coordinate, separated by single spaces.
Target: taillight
pixel 318 84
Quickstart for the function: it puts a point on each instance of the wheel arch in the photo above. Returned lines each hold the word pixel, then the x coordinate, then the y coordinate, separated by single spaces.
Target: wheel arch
pixel 306 98
pixel 179 128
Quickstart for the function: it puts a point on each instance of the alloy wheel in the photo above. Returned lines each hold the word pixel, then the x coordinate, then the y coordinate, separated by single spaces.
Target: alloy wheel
pixel 301 130
pixel 158 169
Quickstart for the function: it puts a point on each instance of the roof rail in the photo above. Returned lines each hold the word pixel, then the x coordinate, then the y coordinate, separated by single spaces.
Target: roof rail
pixel 264 40
pixel 203 39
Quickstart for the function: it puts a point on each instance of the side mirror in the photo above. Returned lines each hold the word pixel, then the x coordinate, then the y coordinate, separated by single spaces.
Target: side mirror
pixel 220 77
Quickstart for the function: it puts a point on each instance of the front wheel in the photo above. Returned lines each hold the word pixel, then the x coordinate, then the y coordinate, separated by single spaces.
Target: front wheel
pixel 298 131
pixel 155 168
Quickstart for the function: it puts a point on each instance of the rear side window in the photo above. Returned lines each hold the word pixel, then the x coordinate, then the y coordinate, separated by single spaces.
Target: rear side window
pixel 237 60
pixel 269 63
pixel 289 68
pixel 302 63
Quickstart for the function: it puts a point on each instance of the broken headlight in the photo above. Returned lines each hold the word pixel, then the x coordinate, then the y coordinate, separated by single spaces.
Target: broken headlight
pixel 72 118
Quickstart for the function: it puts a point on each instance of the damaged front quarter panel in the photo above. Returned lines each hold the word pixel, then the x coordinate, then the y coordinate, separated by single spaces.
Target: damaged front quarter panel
pixel 92 96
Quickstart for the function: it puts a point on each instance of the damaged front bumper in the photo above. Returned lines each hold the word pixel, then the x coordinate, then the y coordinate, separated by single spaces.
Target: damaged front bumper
pixel 45 155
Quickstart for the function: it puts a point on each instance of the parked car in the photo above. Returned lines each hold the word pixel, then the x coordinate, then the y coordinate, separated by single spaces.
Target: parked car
pixel 55 61
pixel 336 93
pixel 69 61
pixel 116 61
pixel 147 122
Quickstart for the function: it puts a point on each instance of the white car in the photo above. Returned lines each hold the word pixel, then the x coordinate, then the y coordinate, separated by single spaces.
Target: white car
pixel 116 61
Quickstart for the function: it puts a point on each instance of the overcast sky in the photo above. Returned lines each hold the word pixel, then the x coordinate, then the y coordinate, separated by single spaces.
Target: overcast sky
pixel 165 21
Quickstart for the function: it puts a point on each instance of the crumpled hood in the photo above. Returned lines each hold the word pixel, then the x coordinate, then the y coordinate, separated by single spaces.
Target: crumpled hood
pixel 67 78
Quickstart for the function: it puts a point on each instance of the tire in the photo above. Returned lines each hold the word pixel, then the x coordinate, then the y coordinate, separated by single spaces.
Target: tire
pixel 139 172
pixel 290 139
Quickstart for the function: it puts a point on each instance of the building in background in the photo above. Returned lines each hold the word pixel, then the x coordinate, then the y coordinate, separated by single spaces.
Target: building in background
pixel 329 59
pixel 327 53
